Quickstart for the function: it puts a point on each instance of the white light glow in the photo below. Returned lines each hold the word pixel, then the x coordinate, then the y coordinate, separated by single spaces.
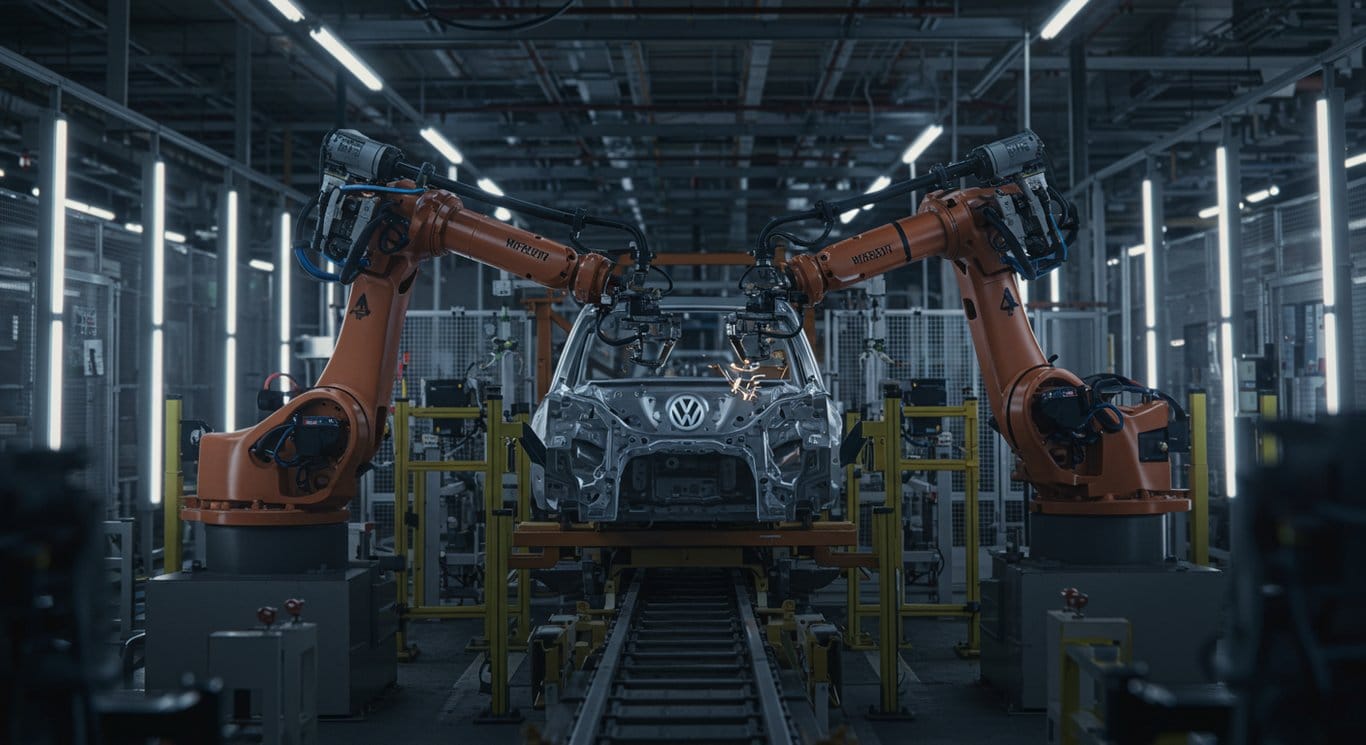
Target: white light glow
pixel 452 173
pixel 2 173
pixel 57 230
pixel 1150 341
pixel 1225 235
pixel 502 213
pixel 230 384
pixel 1352 162
pixel 1261 195
pixel 1332 396
pixel 845 217
pixel 489 186
pixel 1136 251
pixel 264 266
pixel 157 205
pixel 347 58
pixel 1230 407
pixel 230 259
pixel 283 288
pixel 1209 212
pixel 627 184
pixel 1112 262
pixel 54 385
pixel 1061 17
pixel 89 209
pixel 880 183
pixel 1327 239
pixel 1149 263
pixel 921 143
pixel 174 236
pixel 1055 287
pixel 448 151
pixel 133 227
pixel 157 413
pixel 287 9
pixel 230 313
pixel 1178 342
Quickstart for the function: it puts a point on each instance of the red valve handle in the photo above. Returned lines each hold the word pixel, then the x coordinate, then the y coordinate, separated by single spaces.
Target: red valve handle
pixel 266 615
pixel 295 608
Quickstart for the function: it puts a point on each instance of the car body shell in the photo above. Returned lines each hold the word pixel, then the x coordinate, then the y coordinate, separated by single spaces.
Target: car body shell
pixel 685 449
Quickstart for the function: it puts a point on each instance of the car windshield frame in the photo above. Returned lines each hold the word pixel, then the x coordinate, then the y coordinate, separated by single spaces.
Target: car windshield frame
pixel 576 366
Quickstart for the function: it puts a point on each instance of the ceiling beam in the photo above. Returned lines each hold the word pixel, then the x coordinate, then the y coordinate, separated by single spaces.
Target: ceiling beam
pixel 372 32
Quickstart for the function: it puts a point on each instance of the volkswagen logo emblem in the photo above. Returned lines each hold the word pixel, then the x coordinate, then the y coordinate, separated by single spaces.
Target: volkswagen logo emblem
pixel 687 411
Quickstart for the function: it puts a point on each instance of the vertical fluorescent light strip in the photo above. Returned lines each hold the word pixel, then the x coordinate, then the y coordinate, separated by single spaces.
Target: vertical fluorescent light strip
pixel 1331 394
pixel 282 268
pixel 57 284
pixel 1228 375
pixel 1230 404
pixel 58 227
pixel 156 393
pixel 1328 257
pixel 1150 284
pixel 1226 213
pixel 230 314
pixel 158 228
pixel 54 385
pixel 158 420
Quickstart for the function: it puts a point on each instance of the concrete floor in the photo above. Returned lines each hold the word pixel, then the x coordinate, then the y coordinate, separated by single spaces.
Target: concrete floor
pixel 437 696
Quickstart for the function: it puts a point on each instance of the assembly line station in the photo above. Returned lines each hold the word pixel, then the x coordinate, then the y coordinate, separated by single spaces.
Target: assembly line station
pixel 611 371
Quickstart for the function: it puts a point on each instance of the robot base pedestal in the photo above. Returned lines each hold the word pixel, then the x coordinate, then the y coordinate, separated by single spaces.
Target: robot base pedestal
pixel 354 611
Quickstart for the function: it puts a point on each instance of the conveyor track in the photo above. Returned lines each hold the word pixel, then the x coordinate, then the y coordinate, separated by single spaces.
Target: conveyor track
pixel 684 662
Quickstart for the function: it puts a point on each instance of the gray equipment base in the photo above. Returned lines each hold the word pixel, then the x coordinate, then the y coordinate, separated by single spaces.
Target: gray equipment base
pixel 261 549
pixel 354 611
pixel 1175 609
pixel 278 669
pixel 1096 539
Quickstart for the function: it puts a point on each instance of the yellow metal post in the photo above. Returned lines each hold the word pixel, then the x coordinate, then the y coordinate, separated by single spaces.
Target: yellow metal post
pixel 1199 479
pixel 172 486
pixel 1267 449
pixel 853 620
pixel 402 451
pixel 887 545
pixel 972 532
pixel 497 541
pixel 521 465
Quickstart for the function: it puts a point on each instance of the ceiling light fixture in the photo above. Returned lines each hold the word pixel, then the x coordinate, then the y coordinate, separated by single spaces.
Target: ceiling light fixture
pixel 921 143
pixel 287 9
pixel 1060 18
pixel 347 58
pixel 448 151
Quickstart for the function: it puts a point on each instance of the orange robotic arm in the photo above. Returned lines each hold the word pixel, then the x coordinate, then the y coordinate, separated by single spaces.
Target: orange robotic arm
pixel 1084 452
pixel 301 465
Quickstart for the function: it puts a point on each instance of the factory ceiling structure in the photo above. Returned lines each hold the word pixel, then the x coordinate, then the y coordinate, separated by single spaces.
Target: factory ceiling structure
pixel 701 120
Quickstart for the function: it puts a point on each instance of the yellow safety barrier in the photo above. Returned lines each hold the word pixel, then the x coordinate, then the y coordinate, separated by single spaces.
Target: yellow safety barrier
pixel 499 436
pixel 886 436
pixel 1199 478
pixel 172 486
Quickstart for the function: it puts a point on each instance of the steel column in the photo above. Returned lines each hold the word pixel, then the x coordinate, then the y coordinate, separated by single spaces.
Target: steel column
pixel 116 64
pixel 242 97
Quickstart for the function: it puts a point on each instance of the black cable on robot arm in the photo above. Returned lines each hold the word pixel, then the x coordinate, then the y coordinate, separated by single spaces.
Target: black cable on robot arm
pixel 937 177
pixel 531 209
